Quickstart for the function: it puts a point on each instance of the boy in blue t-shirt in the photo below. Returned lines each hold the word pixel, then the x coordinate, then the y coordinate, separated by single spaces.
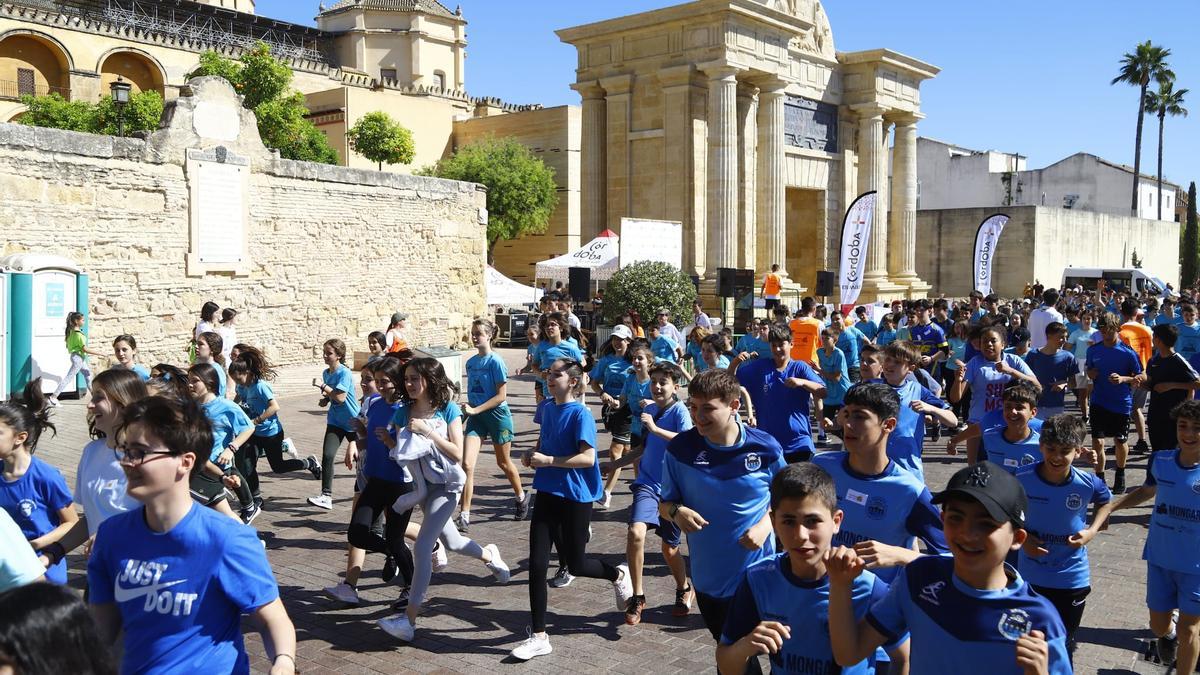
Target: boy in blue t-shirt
pixel 664 348
pixel 900 359
pixel 1172 558
pixel 835 374
pixel 1053 367
pixel 1054 557
pixel 1016 444
pixel 716 480
pixel 755 343
pixel 781 607
pixel 968 612
pixel 1113 368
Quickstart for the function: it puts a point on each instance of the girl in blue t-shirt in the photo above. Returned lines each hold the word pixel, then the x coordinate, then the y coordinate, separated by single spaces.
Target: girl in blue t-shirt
pixel 33 492
pixel 231 429
pixel 125 351
pixel 886 334
pixel 337 387
pixel 209 349
pixel 957 359
pixel 567 480
pixel 555 344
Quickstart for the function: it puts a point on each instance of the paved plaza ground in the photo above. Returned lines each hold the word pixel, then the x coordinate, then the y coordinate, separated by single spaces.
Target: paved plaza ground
pixel 470 623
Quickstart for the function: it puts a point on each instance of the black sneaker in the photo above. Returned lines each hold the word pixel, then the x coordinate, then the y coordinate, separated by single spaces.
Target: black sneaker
pixel 1166 648
pixel 936 433
pixel 521 508
pixel 314 467
pixel 1141 448
pixel 401 603
pixel 389 569
pixel 258 501
pixel 1119 483
pixel 249 513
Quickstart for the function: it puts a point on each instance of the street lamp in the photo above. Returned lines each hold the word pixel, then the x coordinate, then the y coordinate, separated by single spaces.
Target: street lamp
pixel 120 96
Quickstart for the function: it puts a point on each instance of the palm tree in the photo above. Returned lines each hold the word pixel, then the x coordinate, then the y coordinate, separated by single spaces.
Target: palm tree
pixel 1166 101
pixel 1147 62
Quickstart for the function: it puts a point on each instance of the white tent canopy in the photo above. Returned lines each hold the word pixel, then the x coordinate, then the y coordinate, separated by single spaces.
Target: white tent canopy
pixel 504 291
pixel 601 255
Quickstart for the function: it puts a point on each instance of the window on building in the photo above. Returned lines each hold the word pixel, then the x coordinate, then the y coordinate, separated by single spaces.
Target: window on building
pixel 387 74
pixel 439 79
pixel 25 82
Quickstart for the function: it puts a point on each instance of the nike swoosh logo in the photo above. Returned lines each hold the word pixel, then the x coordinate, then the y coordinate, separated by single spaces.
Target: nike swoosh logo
pixel 1077 603
pixel 121 594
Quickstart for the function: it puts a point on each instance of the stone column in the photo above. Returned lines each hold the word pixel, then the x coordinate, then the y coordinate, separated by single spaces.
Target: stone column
pixel 747 131
pixel 872 172
pixel 722 166
pixel 772 221
pixel 682 196
pixel 617 112
pixel 902 233
pixel 592 151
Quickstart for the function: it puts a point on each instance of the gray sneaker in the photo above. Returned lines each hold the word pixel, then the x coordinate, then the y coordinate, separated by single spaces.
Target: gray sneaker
pixel 561 579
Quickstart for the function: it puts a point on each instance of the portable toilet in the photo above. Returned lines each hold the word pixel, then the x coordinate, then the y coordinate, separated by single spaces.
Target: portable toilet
pixel 36 294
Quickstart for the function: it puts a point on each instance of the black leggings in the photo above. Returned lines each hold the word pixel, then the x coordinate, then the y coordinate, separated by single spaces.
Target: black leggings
pixel 375 500
pixel 333 440
pixel 553 514
pixel 1070 603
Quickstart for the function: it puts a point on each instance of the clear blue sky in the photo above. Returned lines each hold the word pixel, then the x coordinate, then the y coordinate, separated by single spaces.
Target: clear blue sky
pixel 1019 76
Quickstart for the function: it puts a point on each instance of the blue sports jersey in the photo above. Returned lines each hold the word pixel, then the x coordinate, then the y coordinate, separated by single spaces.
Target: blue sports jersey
pixel 850 341
pixel 782 411
pixel 1055 513
pixel 485 374
pixel 905 442
pixel 181 594
pixel 664 349
pixel 927 338
pixel 834 364
pixel 771 592
pixel 753 345
pixel 378 462
pixel 33 501
pixel 1050 369
pixel 1119 359
pixel 610 371
pixel 341 415
pixel 959 629
pixel 254 400
pixel 1189 339
pixel 730 487
pixel 675 418
pixel 892 508
pixel 1176 516
pixel 634 392
pixel 228 420
pixel 1009 455
pixel 564 427
pixel 987 385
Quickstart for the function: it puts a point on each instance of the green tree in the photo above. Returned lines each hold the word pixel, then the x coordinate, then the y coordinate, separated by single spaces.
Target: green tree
pixel 381 139
pixel 264 83
pixel 521 190
pixel 648 286
pixel 1166 101
pixel 1147 62
pixel 1189 254
pixel 142 113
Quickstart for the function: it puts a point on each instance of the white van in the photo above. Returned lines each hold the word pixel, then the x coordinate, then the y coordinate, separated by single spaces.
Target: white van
pixel 1129 279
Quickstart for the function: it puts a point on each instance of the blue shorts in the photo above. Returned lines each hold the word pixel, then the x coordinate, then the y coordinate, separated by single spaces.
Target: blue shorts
pixel 645 510
pixel 1167 590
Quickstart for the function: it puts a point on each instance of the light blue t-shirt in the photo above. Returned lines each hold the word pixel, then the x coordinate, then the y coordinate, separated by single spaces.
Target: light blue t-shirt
pixel 18 563
pixel 485 374
pixel 1176 514
pixel 548 353
pixel 181 594
pixel 255 399
pixel 1189 339
pixel 100 485
pixel 341 415
pixel 730 487
pixel 228 420
pixel 884 337
pixel 1119 359
pixel 634 393
pixel 33 501
pixel 664 349
pixel 958 348
pixel 1049 370
pixel 867 328
pixel 752 345
pixel 834 364
pixel 564 427
pixel 142 371
pixel 781 411
pixel 1056 512
pixel 850 341
pixel 904 445
pixel 1079 341
pixel 1011 456
pixel 987 385
pixel 702 365
pixel 675 418
pixel 610 371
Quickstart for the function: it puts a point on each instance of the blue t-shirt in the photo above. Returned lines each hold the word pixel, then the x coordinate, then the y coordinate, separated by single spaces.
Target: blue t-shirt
pixel 378 463
pixel 675 418
pixel 905 442
pixel 702 365
pixel 771 592
pixel 958 350
pixel 142 371
pixel 987 385
pixel 834 364
pixel 485 374
pixel 222 378
pixel 730 487
pixel 181 594
pixel 867 328
pixel 610 371
pixel 1050 369
pixel 893 507
pixel 1055 513
pixel 564 427
pixel 548 353
pixel 752 345
pixel 1011 456
pixel 696 353
pixel 959 629
pixel 782 411
pixel 1189 339
pixel 255 399
pixel 33 501
pixel 927 338
pixel 1119 359
pixel 1176 515
pixel 664 349
pixel 341 415
pixel 850 341
pixel 885 337
pixel 228 420
pixel 634 393
pixel 447 413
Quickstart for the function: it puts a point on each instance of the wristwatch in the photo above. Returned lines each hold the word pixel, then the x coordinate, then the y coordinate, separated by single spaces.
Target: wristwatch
pixel 673 510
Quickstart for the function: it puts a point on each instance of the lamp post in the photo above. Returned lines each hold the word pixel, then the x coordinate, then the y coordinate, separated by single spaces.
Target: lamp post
pixel 120 96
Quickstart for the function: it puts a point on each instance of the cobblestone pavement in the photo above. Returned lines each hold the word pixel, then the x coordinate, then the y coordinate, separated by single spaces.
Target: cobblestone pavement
pixel 470 623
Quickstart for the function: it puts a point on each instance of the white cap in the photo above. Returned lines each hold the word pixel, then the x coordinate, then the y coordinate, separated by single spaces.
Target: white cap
pixel 622 331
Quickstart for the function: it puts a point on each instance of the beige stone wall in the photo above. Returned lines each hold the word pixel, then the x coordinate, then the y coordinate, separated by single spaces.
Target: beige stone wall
pixel 334 251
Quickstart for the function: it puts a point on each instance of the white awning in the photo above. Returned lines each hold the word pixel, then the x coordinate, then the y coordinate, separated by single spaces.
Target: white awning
pixel 600 255
pixel 504 291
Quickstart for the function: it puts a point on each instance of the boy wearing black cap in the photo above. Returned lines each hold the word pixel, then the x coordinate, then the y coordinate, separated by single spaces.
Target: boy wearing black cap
pixel 969 613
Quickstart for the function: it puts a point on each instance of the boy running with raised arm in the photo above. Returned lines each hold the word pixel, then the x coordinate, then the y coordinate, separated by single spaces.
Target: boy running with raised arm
pixel 916 401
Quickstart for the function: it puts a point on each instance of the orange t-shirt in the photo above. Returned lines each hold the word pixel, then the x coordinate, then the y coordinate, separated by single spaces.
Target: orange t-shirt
pixel 806 337
pixel 1140 340
pixel 772 285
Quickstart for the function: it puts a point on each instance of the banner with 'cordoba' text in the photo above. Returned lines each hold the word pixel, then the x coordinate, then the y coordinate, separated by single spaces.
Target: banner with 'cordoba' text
pixel 985 250
pixel 856 234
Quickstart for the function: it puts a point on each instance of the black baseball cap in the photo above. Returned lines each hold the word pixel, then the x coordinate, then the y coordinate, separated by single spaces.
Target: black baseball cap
pixel 989 484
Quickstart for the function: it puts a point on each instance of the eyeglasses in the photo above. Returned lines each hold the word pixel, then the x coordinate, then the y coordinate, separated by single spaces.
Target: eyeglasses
pixel 134 456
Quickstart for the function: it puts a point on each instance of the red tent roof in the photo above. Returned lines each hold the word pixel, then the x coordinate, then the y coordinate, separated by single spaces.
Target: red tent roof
pixel 607 233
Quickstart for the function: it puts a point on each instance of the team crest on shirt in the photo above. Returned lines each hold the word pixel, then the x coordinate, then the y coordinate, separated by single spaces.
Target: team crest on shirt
pixel 1014 623
pixel 753 462
pixel 27 507
pixel 1026 460
pixel 876 508
pixel 1196 486
pixel 1074 501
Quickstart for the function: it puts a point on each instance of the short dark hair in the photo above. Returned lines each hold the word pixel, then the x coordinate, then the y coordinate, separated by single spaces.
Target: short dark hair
pixel 779 334
pixel 1056 328
pixel 801 481
pixel 1167 333
pixel 1064 430
pixel 807 304
pixel 715 383
pixel 1050 297
pixel 46 628
pixel 669 369
pixel 180 424
pixel 877 397
pixel 1129 308
pixel 922 304
pixel 1188 410
pixel 1022 392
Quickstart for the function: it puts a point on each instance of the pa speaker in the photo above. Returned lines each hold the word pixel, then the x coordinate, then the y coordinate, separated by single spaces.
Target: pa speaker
pixel 579 279
pixel 825 281
pixel 734 283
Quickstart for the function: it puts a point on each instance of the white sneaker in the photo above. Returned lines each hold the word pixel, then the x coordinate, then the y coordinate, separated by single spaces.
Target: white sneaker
pixel 562 578
pixel 531 647
pixel 496 565
pixel 343 592
pixel 322 501
pixel 398 627
pixel 622 588
pixel 603 504
pixel 440 561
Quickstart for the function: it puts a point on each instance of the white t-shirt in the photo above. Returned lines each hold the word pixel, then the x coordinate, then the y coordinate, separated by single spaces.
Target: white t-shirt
pixel 1038 320
pixel 228 340
pixel 204 327
pixel 18 563
pixel 100 485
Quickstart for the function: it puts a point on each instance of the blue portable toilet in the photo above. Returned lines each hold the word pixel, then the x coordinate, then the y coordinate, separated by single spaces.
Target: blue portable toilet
pixel 36 294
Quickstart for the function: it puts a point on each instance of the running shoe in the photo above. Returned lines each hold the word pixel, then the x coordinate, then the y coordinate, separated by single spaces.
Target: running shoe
pixel 322 501
pixel 496 564
pixel 440 561
pixel 1167 648
pixel 398 627
pixel 1119 483
pixel 249 513
pixel 633 610
pixel 1141 448
pixel 389 569
pixel 562 578
pixel 684 597
pixel 463 522
pixel 531 647
pixel 401 603
pixel 343 592
pixel 259 501
pixel 522 507
pixel 603 504
pixel 313 466
pixel 622 587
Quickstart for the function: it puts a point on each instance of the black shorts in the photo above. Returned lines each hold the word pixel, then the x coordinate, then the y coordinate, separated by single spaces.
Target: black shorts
pixel 205 489
pixel 618 420
pixel 1163 435
pixel 1108 424
pixel 771 303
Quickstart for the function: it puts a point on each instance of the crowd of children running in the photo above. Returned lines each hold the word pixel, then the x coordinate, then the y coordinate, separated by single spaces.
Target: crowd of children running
pixel 819 555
